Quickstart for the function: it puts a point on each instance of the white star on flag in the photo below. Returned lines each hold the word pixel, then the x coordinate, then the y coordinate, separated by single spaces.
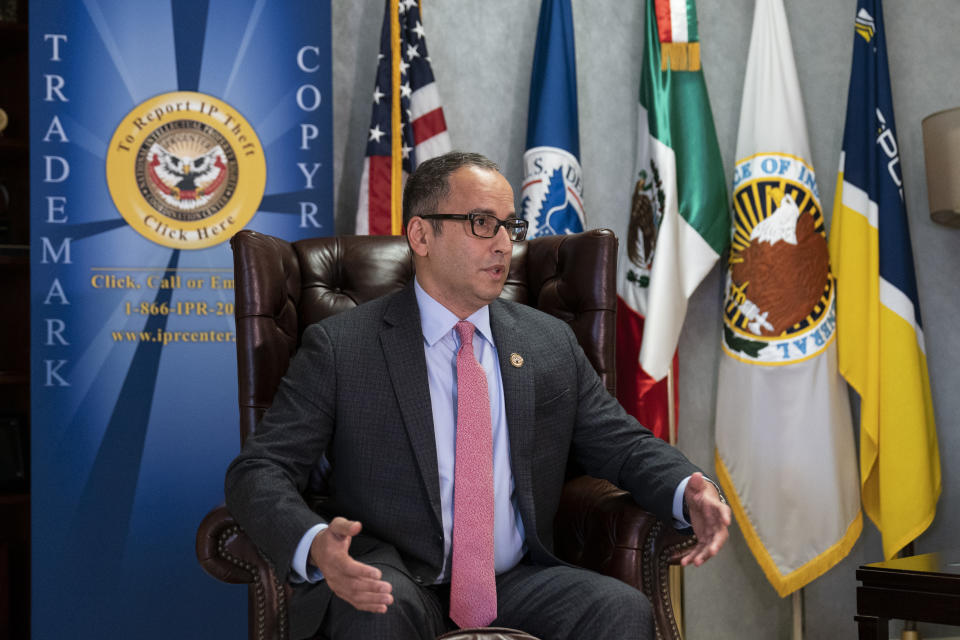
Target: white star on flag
pixel 377 94
pixel 419 30
pixel 412 51
pixel 376 134
pixel 405 90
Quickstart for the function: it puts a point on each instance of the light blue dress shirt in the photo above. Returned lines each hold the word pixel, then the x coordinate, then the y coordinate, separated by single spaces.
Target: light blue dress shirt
pixel 440 345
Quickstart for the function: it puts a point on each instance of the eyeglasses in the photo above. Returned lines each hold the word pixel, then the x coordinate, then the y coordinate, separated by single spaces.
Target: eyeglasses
pixel 486 225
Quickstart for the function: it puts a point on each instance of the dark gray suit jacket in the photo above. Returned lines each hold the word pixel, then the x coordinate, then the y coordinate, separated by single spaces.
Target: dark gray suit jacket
pixel 357 390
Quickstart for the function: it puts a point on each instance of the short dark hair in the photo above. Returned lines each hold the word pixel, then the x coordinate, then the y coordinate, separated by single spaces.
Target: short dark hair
pixel 430 183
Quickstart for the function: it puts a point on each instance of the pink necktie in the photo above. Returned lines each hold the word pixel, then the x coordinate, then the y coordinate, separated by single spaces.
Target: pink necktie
pixel 473 587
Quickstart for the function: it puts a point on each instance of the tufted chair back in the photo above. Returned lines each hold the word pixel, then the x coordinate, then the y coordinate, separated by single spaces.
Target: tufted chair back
pixel 283 287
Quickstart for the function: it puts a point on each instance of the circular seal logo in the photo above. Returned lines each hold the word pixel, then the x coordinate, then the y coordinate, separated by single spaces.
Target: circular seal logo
pixel 186 170
pixel 552 195
pixel 779 306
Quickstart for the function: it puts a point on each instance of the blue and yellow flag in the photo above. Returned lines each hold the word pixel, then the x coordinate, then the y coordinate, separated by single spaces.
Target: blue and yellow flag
pixel 880 334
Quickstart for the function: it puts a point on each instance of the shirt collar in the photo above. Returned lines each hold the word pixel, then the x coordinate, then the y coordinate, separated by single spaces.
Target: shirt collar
pixel 437 321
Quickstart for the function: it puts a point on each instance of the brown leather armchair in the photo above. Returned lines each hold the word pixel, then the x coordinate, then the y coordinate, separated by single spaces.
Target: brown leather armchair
pixel 283 287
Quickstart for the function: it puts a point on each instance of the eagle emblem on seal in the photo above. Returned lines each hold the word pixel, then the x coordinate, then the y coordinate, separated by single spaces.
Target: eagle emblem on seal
pixel 186 176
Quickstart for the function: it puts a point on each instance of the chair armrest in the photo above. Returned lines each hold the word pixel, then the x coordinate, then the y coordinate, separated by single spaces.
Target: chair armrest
pixel 224 550
pixel 226 553
pixel 600 527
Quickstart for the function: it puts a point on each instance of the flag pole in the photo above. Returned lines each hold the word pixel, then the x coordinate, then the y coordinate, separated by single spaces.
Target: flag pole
pixel 671 406
pixel 396 136
pixel 798 614
pixel 909 626
pixel 676 571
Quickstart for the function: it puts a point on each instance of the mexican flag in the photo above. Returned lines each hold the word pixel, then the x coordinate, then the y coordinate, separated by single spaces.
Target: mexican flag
pixel 678 224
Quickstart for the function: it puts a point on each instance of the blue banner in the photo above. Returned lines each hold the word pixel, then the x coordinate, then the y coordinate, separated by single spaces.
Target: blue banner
pixel 158 130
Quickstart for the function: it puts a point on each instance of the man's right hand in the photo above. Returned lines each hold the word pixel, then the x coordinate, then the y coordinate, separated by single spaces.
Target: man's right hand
pixel 357 583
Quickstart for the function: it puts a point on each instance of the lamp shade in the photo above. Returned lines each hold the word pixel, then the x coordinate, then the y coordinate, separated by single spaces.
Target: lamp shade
pixel 941 144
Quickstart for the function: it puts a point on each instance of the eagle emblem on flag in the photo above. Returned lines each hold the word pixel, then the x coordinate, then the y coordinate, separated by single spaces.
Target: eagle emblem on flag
pixel 779 305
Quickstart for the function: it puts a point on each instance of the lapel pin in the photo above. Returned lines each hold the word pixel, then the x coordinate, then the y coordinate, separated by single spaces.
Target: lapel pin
pixel 516 360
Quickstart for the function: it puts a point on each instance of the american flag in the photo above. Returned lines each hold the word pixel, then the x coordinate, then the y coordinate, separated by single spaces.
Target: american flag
pixel 405 98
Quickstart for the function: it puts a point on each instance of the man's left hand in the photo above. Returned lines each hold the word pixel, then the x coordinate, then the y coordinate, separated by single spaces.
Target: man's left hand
pixel 709 517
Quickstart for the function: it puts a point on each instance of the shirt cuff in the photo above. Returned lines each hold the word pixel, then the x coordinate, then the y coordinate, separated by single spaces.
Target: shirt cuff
pixel 679 522
pixel 301 571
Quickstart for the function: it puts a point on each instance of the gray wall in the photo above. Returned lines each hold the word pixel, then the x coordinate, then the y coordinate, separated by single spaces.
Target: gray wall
pixel 482 53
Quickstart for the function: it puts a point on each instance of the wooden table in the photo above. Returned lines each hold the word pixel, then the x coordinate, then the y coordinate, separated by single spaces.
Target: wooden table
pixel 925 588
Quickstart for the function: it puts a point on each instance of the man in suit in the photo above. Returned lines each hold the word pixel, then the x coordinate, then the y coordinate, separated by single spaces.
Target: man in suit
pixel 375 389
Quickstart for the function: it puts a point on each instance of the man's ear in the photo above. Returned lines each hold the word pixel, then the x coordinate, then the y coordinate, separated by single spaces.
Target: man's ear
pixel 419 233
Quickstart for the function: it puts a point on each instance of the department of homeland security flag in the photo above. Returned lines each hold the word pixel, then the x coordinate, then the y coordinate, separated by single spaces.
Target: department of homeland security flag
pixel 405 100
pixel 880 337
pixel 785 452
pixel 552 196
pixel 679 210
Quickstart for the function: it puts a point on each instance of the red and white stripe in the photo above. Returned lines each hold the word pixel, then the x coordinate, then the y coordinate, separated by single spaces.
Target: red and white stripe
pixel 672 20
pixel 430 135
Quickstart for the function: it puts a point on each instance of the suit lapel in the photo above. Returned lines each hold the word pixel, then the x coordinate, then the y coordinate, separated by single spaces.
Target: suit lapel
pixel 518 396
pixel 402 342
